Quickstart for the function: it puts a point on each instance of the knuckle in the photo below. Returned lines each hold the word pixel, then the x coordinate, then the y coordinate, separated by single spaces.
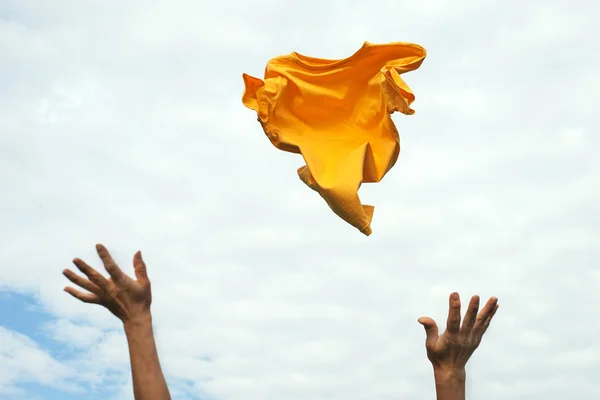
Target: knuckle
pixel 114 290
pixel 96 278
pixel 453 340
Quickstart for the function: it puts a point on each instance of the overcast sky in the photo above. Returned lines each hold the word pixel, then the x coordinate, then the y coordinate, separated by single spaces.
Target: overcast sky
pixel 121 122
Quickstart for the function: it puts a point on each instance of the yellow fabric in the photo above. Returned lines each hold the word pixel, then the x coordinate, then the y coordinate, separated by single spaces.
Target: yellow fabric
pixel 336 114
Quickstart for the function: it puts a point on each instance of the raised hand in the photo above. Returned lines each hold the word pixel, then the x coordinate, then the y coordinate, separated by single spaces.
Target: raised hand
pixel 450 351
pixel 456 345
pixel 128 299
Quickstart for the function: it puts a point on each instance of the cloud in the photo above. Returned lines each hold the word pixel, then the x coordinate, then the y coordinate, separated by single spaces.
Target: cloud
pixel 23 361
pixel 74 335
pixel 121 123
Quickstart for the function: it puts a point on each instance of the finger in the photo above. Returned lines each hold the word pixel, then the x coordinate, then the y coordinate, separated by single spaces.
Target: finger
pixel 80 281
pixel 431 330
pixel 85 297
pixel 485 313
pixel 109 264
pixel 487 322
pixel 453 323
pixel 92 274
pixel 471 314
pixel 139 267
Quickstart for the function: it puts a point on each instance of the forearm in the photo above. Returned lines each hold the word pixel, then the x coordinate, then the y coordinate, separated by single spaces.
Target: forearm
pixel 148 380
pixel 450 384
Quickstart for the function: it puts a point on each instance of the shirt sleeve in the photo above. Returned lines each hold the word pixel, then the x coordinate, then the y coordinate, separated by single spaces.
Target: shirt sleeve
pixel 399 95
pixel 261 96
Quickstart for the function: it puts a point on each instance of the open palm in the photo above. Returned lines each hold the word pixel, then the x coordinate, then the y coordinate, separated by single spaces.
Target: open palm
pixel 126 298
pixel 455 346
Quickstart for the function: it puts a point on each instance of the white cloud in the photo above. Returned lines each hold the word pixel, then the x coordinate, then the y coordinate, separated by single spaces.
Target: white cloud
pixel 80 337
pixel 23 361
pixel 121 123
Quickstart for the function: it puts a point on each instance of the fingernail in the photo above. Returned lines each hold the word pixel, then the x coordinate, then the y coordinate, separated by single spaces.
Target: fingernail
pixel 455 296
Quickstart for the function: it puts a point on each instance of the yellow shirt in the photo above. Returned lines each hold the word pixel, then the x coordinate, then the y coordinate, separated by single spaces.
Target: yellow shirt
pixel 336 114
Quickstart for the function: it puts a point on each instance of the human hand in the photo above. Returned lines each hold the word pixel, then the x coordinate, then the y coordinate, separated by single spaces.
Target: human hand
pixel 450 352
pixel 128 299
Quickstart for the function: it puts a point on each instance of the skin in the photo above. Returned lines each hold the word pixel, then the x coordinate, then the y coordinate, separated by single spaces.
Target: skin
pixel 449 352
pixel 129 300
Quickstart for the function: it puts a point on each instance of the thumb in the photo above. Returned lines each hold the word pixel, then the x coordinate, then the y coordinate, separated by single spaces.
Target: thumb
pixel 139 267
pixel 431 330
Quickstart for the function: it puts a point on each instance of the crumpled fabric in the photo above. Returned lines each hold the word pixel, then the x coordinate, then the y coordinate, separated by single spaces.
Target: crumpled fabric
pixel 337 115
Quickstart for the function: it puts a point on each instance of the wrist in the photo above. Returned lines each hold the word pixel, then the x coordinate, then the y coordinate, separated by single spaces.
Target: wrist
pixel 142 321
pixel 450 382
pixel 450 375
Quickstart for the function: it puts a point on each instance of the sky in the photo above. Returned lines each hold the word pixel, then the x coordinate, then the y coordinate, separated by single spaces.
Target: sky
pixel 121 123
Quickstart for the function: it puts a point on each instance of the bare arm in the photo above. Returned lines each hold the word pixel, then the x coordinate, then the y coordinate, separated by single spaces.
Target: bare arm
pixel 129 300
pixel 148 380
pixel 450 352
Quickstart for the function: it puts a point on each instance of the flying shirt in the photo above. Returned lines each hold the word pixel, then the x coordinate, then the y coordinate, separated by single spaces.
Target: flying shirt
pixel 336 114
